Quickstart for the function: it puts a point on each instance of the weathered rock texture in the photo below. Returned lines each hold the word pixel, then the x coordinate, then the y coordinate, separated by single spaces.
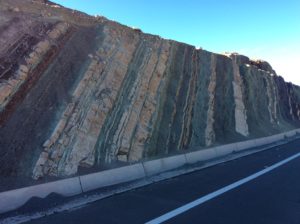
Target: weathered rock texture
pixel 79 91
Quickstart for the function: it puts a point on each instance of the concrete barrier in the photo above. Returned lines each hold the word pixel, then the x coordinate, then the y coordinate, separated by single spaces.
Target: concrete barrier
pixel 200 156
pixel 290 133
pixel 157 166
pixel 240 146
pixel 275 138
pixel 278 137
pixel 262 141
pixel 112 177
pixel 224 150
pixel 11 200
pixel 14 199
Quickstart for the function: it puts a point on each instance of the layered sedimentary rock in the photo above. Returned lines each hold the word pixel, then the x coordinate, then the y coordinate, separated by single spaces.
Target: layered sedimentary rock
pixel 80 91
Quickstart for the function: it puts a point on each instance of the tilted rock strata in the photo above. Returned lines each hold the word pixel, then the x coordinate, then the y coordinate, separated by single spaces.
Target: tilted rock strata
pixel 241 125
pixel 12 78
pixel 89 92
pixel 209 131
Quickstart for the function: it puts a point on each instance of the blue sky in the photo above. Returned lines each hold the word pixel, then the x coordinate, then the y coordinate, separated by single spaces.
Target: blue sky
pixel 261 29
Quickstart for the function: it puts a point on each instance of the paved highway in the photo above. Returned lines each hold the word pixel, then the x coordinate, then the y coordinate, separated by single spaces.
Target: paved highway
pixel 246 190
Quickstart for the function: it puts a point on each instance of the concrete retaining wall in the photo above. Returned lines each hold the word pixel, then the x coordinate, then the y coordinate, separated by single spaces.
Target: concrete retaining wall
pixel 11 200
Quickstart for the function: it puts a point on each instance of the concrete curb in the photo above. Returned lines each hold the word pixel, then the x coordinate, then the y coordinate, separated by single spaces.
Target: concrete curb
pixel 11 200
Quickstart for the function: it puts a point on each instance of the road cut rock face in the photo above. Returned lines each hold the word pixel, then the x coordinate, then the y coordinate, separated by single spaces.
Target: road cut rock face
pixel 81 92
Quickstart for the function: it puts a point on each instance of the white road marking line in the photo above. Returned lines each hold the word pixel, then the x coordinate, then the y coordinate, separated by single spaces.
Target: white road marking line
pixel 214 194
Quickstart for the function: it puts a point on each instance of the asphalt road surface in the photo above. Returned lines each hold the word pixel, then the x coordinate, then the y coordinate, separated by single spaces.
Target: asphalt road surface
pixel 267 198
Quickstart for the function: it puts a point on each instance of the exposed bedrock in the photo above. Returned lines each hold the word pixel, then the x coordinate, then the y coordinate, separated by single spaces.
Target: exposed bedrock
pixel 79 91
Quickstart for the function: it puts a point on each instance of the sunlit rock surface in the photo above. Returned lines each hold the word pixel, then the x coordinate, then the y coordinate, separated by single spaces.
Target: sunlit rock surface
pixel 81 92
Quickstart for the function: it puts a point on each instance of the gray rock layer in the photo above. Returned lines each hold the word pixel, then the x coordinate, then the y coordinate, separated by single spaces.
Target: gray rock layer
pixel 79 91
